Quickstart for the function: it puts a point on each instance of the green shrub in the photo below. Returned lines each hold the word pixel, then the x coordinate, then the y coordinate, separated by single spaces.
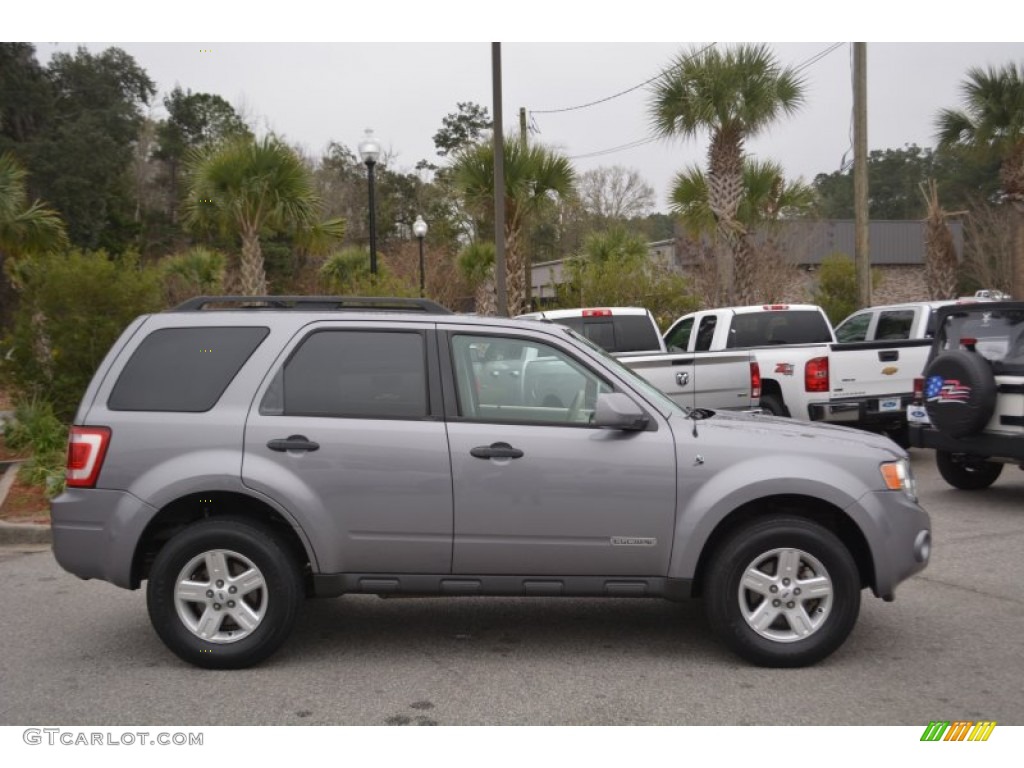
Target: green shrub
pixel 37 429
pixel 72 306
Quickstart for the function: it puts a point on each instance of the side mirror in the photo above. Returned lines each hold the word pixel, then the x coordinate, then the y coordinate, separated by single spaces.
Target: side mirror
pixel 615 410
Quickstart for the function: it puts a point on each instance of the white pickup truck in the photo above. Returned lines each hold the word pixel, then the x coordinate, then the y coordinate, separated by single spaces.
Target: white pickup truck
pixel 871 370
pixel 720 380
pixel 789 342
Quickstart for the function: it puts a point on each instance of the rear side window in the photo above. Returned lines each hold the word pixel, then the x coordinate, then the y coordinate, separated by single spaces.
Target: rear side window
pixel 772 328
pixel 183 369
pixel 894 324
pixel 353 374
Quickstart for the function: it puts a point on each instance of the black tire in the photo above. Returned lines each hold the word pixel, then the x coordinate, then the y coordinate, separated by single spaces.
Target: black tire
pixel 818 553
pixel 965 473
pixel 244 546
pixel 772 405
pixel 960 392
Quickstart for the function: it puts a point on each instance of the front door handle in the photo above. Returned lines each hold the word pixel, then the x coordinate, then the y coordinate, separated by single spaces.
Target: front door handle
pixel 682 378
pixel 496 451
pixel 293 443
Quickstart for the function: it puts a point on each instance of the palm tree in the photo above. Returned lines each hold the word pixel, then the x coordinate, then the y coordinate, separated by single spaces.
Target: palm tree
pixel 248 187
pixel 534 177
pixel 766 199
pixel 992 119
pixel 731 95
pixel 24 227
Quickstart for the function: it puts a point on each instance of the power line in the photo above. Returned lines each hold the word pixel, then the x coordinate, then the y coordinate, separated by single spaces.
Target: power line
pixel 622 93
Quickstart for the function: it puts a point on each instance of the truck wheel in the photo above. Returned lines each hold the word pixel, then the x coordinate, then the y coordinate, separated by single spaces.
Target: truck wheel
pixel 773 405
pixel 224 593
pixel 967 474
pixel 782 592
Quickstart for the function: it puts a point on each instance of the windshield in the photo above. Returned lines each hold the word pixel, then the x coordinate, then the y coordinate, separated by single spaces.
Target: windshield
pixel 655 395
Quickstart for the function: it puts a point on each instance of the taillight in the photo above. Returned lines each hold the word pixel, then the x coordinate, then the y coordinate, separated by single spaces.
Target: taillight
pixel 816 375
pixel 755 380
pixel 774 307
pixel 918 398
pixel 597 313
pixel 86 448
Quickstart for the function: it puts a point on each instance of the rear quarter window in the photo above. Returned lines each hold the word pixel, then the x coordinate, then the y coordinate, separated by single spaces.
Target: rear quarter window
pixel 183 369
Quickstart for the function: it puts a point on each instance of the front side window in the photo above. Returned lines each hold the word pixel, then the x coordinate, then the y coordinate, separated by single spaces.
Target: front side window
pixel 854 328
pixel 352 374
pixel 512 380
pixel 678 337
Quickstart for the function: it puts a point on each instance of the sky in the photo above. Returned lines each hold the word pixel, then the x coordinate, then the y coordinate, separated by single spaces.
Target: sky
pixel 315 92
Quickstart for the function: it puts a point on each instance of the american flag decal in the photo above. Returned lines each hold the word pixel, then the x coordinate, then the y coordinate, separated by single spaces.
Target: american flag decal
pixel 940 390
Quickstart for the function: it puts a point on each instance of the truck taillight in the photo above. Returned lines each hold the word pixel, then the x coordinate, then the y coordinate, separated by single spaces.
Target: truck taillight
pixel 86 448
pixel 597 313
pixel 918 398
pixel 755 380
pixel 816 375
pixel 774 307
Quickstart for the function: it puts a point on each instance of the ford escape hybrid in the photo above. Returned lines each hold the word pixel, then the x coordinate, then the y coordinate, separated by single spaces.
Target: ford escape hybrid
pixel 241 454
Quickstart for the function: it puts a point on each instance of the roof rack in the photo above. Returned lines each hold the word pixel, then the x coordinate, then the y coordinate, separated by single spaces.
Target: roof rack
pixel 312 303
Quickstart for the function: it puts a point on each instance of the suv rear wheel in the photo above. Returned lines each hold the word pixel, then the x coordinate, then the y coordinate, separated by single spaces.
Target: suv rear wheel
pixel 224 593
pixel 782 592
pixel 965 473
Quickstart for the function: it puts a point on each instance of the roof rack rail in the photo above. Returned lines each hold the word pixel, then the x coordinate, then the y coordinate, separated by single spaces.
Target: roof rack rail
pixel 312 303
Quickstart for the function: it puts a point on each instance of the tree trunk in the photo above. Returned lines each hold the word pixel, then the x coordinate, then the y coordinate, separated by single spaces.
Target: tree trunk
pixel 940 265
pixel 252 277
pixel 515 269
pixel 486 298
pixel 725 191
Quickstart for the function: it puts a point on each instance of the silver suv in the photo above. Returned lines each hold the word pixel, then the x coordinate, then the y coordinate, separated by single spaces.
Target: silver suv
pixel 243 454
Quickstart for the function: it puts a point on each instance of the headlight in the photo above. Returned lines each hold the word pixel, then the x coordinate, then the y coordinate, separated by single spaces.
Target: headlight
pixel 898 476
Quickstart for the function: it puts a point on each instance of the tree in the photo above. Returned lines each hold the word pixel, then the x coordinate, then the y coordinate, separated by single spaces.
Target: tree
pixel 476 264
pixel 24 227
pixel 26 96
pixel 836 291
pixel 992 120
pixel 81 156
pixel 614 194
pixel 615 269
pixel 732 95
pixel 895 176
pixel 247 187
pixel 767 198
pixel 534 178
pixel 463 128
pixel 193 120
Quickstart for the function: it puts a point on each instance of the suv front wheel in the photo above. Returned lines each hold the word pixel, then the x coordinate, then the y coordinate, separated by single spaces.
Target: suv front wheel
pixel 224 593
pixel 782 592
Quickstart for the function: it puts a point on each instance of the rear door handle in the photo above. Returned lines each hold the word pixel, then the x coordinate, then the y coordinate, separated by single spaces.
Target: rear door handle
pixel 496 451
pixel 293 443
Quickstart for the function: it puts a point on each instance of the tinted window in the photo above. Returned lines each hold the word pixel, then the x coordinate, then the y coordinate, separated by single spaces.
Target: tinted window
pixel 634 333
pixel 768 328
pixel 602 333
pixel 854 328
pixel 183 369
pixel 358 374
pixel 706 333
pixel 998 336
pixel 894 324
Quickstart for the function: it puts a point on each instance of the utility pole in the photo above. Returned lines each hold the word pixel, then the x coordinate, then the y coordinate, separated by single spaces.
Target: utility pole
pixel 499 184
pixel 861 250
pixel 528 263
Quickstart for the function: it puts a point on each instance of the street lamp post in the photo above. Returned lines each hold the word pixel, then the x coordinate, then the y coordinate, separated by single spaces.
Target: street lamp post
pixel 419 228
pixel 369 151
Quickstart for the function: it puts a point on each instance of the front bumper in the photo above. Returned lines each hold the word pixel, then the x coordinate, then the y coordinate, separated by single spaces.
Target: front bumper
pixel 900 540
pixel 96 532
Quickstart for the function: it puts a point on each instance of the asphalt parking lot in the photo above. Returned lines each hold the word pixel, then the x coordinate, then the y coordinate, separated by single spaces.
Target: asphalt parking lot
pixel 950 647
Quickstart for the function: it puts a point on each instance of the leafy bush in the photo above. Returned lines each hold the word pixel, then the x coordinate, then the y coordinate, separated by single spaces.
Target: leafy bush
pixel 72 307
pixel 196 272
pixel 837 292
pixel 347 272
pixel 36 428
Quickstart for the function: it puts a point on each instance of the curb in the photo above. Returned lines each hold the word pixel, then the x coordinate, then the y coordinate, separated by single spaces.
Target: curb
pixel 12 534
pixel 19 533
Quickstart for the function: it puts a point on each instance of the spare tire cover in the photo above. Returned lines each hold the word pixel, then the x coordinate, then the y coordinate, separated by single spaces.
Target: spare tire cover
pixel 959 392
